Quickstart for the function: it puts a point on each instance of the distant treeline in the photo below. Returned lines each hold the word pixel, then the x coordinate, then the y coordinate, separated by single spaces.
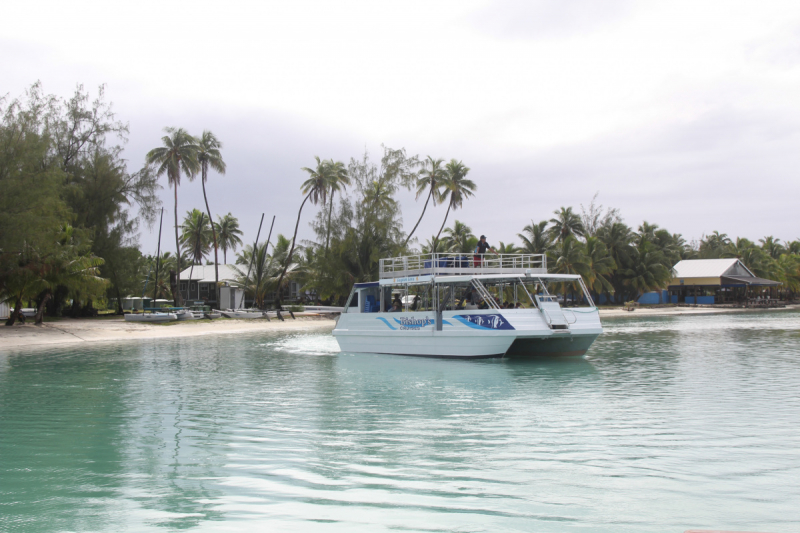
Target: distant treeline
pixel 67 235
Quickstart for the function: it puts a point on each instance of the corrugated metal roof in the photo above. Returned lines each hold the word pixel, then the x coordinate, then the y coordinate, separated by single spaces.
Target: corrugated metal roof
pixel 205 273
pixel 703 268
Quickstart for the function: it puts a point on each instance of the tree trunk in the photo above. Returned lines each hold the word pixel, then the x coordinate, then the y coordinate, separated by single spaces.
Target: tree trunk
pixel 40 310
pixel 436 240
pixel 16 313
pixel 330 212
pixel 176 294
pixel 291 253
pixel 420 218
pixel 214 234
pixel 173 285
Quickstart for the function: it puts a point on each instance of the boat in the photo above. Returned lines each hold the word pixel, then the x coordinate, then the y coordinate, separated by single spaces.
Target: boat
pixel 189 314
pixel 456 306
pixel 212 314
pixel 150 317
pixel 243 313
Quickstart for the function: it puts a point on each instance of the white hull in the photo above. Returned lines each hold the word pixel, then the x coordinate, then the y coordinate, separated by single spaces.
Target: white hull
pixel 189 315
pixel 468 334
pixel 242 313
pixel 213 314
pixel 151 317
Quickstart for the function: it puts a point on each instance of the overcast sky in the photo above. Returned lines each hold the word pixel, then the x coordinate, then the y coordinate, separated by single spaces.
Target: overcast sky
pixel 684 114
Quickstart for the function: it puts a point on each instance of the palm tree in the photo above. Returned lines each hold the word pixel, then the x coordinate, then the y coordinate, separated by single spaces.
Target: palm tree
pixel 378 196
pixel 208 155
pixel 772 246
pixel 569 257
pixel 196 235
pixel 566 224
pixel 338 180
pixel 504 248
pixel 535 239
pixel 458 238
pixel 457 187
pixel 316 189
pixel 430 179
pixel 229 234
pixel 738 249
pixel 177 156
pixel 598 265
pixel 647 271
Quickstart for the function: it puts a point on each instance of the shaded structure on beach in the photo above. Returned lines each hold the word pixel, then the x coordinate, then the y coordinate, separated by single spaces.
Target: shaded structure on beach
pixel 719 281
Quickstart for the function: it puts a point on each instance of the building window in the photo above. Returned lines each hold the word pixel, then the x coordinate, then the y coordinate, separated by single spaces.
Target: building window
pixel 183 285
pixel 204 288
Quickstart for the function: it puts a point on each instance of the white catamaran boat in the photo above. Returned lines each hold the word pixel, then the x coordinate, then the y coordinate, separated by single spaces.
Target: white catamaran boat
pixel 452 305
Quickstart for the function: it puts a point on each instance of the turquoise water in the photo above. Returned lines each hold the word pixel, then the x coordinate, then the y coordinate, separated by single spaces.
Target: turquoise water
pixel 667 424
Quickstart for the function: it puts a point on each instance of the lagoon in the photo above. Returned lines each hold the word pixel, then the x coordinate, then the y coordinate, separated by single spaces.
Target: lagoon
pixel 668 423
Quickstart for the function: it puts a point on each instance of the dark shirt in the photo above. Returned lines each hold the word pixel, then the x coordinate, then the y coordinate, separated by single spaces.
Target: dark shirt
pixel 482 247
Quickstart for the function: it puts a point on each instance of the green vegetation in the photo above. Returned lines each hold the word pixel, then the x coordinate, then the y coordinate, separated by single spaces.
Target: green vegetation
pixel 66 234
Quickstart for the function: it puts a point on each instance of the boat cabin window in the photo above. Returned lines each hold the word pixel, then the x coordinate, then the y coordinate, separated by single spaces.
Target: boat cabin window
pixel 370 299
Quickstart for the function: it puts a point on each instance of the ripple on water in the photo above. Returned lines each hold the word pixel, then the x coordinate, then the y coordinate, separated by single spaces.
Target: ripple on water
pixel 668 424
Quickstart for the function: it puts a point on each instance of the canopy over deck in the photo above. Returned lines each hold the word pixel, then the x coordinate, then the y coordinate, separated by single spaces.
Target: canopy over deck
pixel 458 263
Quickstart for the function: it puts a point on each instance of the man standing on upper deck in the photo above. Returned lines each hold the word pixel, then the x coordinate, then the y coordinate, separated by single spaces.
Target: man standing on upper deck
pixel 481 249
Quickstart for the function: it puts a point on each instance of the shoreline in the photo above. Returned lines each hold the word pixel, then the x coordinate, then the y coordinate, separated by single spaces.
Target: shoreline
pixel 677 311
pixel 74 331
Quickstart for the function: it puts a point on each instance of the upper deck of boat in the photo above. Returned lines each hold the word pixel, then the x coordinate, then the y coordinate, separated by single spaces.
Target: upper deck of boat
pixel 449 264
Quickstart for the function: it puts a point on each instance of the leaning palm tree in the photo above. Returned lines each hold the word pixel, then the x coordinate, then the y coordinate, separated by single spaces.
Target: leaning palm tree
pixel 457 187
pixel 565 224
pixel 177 156
pixel 430 179
pixel 338 180
pixel 208 155
pixel 229 235
pixel 316 189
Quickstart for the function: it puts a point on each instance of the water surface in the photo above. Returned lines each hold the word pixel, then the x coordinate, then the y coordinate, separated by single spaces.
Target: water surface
pixel 667 424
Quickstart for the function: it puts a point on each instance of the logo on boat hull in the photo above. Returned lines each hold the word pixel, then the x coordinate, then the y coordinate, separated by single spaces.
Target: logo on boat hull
pixel 413 324
pixel 484 321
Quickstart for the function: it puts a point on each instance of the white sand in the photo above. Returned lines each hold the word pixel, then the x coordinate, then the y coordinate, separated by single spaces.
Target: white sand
pixel 76 331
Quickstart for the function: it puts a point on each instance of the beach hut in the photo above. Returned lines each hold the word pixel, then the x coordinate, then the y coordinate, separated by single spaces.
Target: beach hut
pixel 717 281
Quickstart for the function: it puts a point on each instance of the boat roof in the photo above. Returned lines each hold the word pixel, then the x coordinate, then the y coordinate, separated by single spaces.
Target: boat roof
pixel 418 280
pixel 455 263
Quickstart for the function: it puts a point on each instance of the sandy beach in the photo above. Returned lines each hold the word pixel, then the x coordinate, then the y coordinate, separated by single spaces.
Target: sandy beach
pixel 76 331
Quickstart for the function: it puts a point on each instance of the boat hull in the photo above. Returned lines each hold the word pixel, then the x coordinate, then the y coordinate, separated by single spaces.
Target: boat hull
pixel 151 317
pixel 467 334
pixel 243 314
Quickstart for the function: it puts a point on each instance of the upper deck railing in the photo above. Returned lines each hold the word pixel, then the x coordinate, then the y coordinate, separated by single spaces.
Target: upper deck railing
pixel 458 263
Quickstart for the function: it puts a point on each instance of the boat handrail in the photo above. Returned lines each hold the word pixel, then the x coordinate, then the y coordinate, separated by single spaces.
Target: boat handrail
pixel 462 263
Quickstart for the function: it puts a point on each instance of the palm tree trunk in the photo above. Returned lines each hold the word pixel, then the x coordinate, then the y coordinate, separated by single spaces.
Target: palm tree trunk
pixel 291 252
pixel 420 218
pixel 177 295
pixel 15 312
pixel 436 240
pixel 214 234
pixel 40 312
pixel 330 212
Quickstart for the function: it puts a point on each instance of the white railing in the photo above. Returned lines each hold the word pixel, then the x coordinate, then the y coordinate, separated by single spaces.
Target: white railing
pixel 459 263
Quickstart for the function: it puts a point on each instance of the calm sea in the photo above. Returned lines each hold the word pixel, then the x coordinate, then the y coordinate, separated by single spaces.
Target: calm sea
pixel 667 424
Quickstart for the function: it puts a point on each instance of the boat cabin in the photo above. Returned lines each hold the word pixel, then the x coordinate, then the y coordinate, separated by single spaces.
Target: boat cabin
pixel 439 282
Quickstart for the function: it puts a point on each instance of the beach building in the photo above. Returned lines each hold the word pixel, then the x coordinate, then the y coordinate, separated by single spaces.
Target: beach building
pixel 717 281
pixel 197 285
